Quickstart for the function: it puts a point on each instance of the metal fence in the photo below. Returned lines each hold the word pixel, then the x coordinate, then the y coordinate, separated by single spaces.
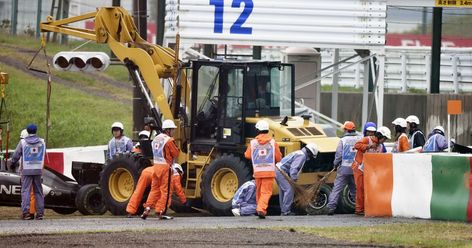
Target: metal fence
pixel 408 68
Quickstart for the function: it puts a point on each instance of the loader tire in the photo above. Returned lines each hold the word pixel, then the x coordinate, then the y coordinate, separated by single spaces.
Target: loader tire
pixel 348 201
pixel 220 180
pixel 89 200
pixel 319 205
pixel 117 181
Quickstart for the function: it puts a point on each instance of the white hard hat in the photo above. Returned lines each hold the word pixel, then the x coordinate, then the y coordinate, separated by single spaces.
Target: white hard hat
pixel 440 128
pixel 168 124
pixel 118 125
pixel 384 131
pixel 144 133
pixel 176 166
pixel 23 134
pixel 262 125
pixel 399 122
pixel 413 119
pixel 313 149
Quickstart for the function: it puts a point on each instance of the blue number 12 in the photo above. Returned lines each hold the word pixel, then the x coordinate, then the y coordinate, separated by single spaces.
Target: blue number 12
pixel 237 27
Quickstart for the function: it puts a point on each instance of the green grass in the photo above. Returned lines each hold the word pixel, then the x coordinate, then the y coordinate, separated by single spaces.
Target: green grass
pixel 428 234
pixel 119 73
pixel 77 119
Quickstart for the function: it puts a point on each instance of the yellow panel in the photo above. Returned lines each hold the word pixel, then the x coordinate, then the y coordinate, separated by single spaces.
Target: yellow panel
pixel 328 144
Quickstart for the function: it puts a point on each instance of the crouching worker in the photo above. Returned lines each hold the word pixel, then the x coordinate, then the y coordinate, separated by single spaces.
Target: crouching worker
pixel 264 153
pixel 244 200
pixel 144 183
pixel 343 160
pixel 292 165
pixel 371 144
pixel 436 141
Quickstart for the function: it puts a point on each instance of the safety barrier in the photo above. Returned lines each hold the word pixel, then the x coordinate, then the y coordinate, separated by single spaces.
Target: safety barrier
pixel 427 186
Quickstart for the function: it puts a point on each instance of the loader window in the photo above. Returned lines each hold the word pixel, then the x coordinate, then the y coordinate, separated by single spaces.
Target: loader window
pixel 207 101
pixel 268 90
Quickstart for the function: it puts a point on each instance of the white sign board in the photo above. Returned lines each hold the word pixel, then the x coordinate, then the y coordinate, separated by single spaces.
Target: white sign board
pixel 303 23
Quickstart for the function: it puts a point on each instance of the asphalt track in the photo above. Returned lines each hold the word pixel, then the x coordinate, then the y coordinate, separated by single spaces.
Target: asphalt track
pixel 119 224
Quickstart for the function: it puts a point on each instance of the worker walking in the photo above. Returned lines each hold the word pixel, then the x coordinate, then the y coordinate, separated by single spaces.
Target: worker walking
pixel 367 144
pixel 31 150
pixel 164 151
pixel 292 165
pixel 401 139
pixel 244 200
pixel 119 143
pixel 264 153
pixel 343 160
pixel 436 140
pixel 416 136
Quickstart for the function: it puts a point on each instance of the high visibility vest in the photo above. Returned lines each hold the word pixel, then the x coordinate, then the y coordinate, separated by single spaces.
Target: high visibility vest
pixel 33 155
pixel 396 145
pixel 432 144
pixel 263 156
pixel 349 152
pixel 158 145
pixel 412 138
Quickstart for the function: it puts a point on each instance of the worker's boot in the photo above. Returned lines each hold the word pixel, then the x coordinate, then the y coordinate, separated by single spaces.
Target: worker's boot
pixel 261 214
pixel 27 217
pixel 146 213
pixel 331 211
pixel 39 217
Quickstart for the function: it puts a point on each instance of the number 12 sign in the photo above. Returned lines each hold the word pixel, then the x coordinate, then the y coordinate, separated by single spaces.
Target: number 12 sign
pixel 238 27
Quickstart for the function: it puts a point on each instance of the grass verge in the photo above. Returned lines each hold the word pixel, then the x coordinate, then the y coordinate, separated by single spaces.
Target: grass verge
pixel 429 234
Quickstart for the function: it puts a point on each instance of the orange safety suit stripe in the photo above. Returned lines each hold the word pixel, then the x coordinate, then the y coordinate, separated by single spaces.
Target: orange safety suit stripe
pixel 143 183
pixel 32 202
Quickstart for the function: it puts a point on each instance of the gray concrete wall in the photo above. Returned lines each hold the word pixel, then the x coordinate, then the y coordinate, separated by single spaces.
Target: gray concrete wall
pixel 430 109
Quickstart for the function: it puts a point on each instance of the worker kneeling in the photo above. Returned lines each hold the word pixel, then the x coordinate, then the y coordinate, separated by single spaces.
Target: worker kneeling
pixel 292 165
pixel 244 200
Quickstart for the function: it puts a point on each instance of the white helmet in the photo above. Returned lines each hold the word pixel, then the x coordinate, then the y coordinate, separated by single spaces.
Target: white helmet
pixel 168 124
pixel 262 125
pixel 23 134
pixel 413 119
pixel 384 131
pixel 312 148
pixel 144 133
pixel 177 167
pixel 399 122
pixel 439 128
pixel 118 125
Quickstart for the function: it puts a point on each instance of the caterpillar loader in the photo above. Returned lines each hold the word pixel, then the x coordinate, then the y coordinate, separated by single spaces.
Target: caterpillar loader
pixel 215 105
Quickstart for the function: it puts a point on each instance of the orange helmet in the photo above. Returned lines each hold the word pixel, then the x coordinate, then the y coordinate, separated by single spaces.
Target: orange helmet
pixel 349 125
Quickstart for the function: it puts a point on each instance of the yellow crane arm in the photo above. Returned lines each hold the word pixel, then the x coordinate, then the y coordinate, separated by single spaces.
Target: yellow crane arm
pixel 114 26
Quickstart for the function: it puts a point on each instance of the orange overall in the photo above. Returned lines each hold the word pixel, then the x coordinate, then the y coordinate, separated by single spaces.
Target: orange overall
pixel 264 153
pixel 164 152
pixel 366 144
pixel 145 181
pixel 401 144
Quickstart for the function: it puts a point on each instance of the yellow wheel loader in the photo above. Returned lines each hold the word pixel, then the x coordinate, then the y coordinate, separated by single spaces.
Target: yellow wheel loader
pixel 215 105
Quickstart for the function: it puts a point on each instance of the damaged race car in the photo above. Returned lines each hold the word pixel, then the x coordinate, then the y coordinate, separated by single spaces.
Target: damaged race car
pixel 62 194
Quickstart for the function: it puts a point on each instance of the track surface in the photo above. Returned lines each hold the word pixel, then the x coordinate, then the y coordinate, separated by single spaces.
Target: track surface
pixel 275 231
pixel 117 224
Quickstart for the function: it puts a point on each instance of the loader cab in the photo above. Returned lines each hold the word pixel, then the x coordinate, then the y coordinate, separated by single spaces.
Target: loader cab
pixel 225 93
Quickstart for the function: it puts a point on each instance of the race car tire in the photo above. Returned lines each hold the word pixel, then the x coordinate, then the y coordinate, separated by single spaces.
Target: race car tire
pixel 89 200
